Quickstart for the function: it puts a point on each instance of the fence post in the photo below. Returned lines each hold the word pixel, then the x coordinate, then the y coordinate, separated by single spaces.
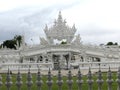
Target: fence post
pixel 8 82
pixel 19 80
pixel 79 81
pixel 70 81
pixel 39 81
pixel 49 81
pixel 29 81
pixel 89 80
pixel 109 79
pixel 59 81
pixel 99 80
pixel 118 79
pixel 1 81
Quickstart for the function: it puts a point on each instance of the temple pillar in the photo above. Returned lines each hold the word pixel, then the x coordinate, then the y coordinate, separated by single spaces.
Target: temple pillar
pixel 51 60
pixel 61 62
pixel 43 59
pixel 84 59
pixel 69 60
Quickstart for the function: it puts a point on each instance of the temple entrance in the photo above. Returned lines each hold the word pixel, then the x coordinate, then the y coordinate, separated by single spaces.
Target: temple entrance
pixel 67 61
pixel 60 61
pixel 56 62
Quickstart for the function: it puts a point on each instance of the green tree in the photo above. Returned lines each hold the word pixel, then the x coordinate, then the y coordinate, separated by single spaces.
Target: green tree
pixel 12 43
pixel 63 42
pixel 1 46
pixel 9 44
pixel 18 38
pixel 116 43
pixel 110 43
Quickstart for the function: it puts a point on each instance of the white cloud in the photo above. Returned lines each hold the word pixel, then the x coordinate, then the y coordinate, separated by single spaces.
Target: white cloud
pixel 6 5
pixel 96 20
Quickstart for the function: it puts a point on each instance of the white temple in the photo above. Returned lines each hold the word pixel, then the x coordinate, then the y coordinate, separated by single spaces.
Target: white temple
pixel 66 54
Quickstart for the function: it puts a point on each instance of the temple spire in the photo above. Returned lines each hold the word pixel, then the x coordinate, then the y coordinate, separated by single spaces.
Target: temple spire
pixel 60 16
pixel 59 31
pixel 46 28
pixel 59 20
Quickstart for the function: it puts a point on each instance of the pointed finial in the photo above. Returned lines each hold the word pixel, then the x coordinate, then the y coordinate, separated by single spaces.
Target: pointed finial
pixel 46 27
pixel 59 16
pixel 73 26
pixel 55 22
pixel 65 22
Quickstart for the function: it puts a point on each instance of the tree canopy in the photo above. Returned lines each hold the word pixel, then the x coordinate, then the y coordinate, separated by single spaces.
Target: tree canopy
pixel 17 40
pixel 63 42
pixel 0 46
pixel 111 43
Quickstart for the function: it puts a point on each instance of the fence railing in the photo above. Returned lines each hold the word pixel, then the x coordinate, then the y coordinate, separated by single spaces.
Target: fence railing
pixel 59 82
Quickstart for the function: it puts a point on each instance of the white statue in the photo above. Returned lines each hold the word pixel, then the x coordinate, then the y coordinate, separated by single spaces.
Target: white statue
pixel 77 40
pixel 43 41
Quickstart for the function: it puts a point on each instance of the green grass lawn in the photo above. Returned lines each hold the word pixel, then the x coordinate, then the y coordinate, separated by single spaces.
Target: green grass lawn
pixel 54 86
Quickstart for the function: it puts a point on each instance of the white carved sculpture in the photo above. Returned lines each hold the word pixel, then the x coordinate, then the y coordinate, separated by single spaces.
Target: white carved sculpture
pixel 57 55
pixel 60 31
pixel 77 40
pixel 43 41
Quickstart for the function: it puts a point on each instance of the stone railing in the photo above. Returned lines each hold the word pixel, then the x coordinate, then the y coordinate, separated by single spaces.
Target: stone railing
pixel 25 66
pixel 96 65
pixel 45 66
pixel 18 82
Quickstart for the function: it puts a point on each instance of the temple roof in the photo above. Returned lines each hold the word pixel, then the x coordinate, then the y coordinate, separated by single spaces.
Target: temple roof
pixel 60 30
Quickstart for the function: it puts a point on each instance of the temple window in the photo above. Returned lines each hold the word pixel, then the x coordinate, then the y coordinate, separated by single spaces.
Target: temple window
pixel 46 60
pixel 73 58
pixel 81 59
pixel 31 60
pixel 41 58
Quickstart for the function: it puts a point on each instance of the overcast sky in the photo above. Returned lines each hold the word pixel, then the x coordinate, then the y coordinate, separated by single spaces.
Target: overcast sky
pixel 97 21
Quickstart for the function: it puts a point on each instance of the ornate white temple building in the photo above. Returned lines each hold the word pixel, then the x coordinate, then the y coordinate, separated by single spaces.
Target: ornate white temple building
pixel 69 52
